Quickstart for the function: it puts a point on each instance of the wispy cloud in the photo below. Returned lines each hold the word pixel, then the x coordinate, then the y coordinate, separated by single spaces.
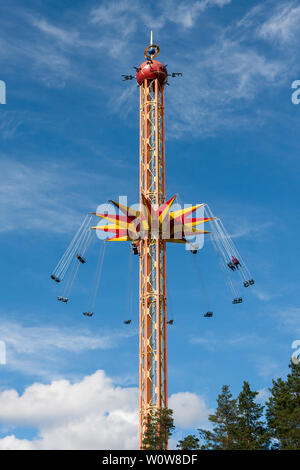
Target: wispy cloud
pixel 288 319
pixel 266 296
pixel 225 78
pixel 44 196
pixel 125 16
pixel 212 341
pixel 63 35
pixel 10 121
pixel 220 81
pixel 121 16
pixel 34 351
pixel 186 14
pixel 283 27
pixel 251 229
pixel 41 60
pixel 267 366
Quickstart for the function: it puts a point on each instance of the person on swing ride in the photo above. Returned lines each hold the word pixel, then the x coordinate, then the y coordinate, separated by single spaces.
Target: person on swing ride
pixel 235 262
pixel 231 266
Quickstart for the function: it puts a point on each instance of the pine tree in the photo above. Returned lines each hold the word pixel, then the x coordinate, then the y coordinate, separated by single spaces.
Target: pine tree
pixel 190 442
pixel 223 435
pixel 251 431
pixel 283 410
pixel 160 426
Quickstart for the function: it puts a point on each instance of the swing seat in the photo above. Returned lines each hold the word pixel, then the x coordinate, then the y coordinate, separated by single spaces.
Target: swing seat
pixel 127 322
pixel 246 283
pixel 134 249
pixel 251 282
pixel 170 322
pixel 88 314
pixel 237 300
pixel 63 299
pixel 208 314
pixel 194 247
pixel 81 259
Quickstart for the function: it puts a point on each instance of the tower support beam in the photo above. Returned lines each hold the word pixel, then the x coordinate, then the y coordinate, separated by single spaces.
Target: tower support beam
pixel 153 305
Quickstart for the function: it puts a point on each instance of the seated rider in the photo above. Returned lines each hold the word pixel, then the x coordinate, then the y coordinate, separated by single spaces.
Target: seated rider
pixel 231 266
pixel 235 262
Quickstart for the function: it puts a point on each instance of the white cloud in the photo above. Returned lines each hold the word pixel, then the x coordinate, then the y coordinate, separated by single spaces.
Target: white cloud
pixel 38 351
pixel 186 13
pixel 41 196
pixel 121 16
pixel 189 409
pixel 12 443
pixel 219 81
pixel 32 339
pixel 68 37
pixel 125 16
pixel 265 296
pixel 51 67
pixel 250 18
pixel 263 395
pixel 253 230
pixel 9 123
pixel 222 80
pixel 288 318
pixel 42 59
pixel 89 414
pixel 283 26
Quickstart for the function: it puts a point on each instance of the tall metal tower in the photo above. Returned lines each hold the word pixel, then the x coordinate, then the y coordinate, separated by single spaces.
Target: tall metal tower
pixel 149 229
pixel 153 381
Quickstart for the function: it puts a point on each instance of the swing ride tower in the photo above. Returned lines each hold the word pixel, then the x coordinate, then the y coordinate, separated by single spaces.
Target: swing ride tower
pixel 153 380
pixel 149 229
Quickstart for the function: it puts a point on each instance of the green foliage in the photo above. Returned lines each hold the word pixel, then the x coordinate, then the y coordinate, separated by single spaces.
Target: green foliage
pixel 283 410
pixel 160 427
pixel 251 431
pixel 238 423
pixel 190 442
pixel 225 420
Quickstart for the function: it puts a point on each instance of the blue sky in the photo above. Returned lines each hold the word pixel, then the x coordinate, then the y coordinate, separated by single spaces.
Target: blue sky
pixel 69 141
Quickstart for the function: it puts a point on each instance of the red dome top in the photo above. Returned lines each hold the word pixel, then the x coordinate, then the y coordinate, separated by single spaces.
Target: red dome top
pixel 151 70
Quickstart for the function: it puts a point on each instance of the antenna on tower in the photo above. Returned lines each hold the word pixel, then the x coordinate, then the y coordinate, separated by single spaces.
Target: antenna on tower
pixel 152 50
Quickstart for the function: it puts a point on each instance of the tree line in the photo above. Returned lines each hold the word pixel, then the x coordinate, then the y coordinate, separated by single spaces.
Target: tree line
pixel 240 423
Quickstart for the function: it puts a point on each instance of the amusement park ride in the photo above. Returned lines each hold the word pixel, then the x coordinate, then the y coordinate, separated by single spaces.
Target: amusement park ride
pixel 149 229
